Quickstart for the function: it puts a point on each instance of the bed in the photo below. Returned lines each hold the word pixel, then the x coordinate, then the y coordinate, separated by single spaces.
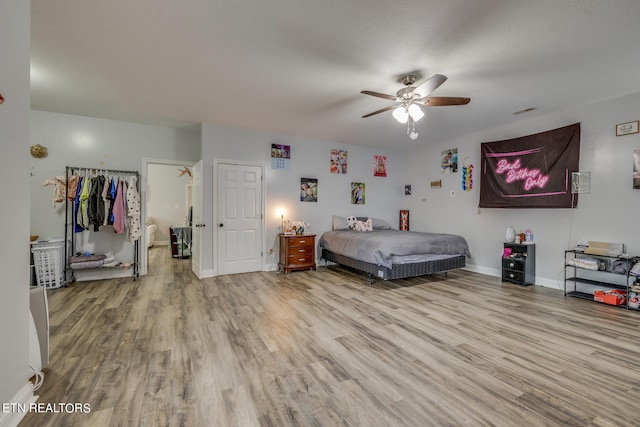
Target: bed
pixel 388 254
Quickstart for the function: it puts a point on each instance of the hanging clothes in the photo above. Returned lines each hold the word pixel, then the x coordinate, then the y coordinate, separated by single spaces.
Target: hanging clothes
pixel 125 184
pixel 95 209
pixel 118 209
pixel 133 210
pixel 106 202
pixel 72 186
pixel 83 215
pixel 76 206
pixel 111 195
pixel 59 189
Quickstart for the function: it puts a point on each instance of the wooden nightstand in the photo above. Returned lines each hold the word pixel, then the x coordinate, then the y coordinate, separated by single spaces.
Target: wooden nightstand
pixel 297 252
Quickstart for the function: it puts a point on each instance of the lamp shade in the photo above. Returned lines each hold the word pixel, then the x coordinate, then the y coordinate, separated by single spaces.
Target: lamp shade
pixel 401 114
pixel 415 112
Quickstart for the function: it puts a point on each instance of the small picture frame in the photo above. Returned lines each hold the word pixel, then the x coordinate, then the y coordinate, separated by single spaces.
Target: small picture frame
pixel 627 128
pixel 436 183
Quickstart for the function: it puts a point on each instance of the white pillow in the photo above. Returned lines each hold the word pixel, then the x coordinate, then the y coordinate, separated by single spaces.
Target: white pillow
pixel 339 223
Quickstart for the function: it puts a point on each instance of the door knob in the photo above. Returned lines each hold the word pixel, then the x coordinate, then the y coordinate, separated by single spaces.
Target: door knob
pixel 221 225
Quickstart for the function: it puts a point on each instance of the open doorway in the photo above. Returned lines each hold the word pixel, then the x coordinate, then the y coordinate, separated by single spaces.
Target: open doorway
pixel 166 200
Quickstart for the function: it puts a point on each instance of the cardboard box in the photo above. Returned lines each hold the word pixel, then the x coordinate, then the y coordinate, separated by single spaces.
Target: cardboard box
pixel 611 297
pixel 604 248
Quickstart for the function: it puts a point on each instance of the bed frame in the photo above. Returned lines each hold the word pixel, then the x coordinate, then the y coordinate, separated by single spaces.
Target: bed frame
pixel 397 271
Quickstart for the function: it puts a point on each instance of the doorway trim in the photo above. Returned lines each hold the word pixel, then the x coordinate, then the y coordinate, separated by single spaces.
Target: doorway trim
pixel 144 187
pixel 263 237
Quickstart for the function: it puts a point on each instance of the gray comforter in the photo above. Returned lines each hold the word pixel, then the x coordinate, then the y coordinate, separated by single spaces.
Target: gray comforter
pixel 379 246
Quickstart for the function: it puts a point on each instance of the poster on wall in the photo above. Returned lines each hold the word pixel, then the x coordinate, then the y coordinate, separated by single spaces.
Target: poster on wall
pixel 404 220
pixel 338 161
pixel 379 165
pixel 532 171
pixel 308 190
pixel 357 193
pixel 280 156
pixel 449 160
pixel 636 169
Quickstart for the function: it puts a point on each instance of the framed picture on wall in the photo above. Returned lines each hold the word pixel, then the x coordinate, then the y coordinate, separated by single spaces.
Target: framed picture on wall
pixel 379 165
pixel 280 156
pixel 308 190
pixel 338 162
pixel 627 128
pixel 449 160
pixel 357 193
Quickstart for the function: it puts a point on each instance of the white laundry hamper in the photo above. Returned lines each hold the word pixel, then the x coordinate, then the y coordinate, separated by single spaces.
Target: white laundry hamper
pixel 48 261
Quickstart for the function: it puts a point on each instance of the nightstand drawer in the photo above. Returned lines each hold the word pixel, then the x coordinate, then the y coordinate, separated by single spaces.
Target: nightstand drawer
pixel 513 276
pixel 302 241
pixel 300 259
pixel 300 250
pixel 513 264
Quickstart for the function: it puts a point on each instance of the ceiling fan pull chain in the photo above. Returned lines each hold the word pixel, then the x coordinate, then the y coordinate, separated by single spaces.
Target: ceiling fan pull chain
pixel 413 134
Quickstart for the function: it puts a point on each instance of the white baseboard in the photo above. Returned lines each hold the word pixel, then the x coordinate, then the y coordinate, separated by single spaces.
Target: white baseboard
pixel 19 403
pixel 271 267
pixel 483 270
pixel 207 273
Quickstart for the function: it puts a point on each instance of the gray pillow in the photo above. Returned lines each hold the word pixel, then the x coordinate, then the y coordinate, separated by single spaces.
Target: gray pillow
pixel 380 224
pixel 339 223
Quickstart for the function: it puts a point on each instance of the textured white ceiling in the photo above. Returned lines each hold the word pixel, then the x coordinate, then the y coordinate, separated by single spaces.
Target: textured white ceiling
pixel 298 66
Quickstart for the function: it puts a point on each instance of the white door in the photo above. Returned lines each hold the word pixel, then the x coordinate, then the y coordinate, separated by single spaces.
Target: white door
pixel 239 218
pixel 196 220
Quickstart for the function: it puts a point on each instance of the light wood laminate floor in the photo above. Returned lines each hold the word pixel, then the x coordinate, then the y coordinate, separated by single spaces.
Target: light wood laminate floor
pixel 321 348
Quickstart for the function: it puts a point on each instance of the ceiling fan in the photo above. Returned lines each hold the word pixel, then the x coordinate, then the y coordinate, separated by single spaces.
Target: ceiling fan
pixel 411 98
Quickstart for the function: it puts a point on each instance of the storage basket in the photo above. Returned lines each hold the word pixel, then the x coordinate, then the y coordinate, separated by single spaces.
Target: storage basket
pixel 48 260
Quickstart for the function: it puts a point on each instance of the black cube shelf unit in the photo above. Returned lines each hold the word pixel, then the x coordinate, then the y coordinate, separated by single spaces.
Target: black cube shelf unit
pixel 580 282
pixel 520 266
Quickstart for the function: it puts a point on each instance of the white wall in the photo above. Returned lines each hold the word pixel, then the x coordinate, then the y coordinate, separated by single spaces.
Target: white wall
pixel 101 144
pixel 609 213
pixel 309 159
pixel 95 143
pixel 166 198
pixel 14 214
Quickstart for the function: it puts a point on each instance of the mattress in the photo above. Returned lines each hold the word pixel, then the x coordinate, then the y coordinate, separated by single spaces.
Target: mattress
pixel 388 247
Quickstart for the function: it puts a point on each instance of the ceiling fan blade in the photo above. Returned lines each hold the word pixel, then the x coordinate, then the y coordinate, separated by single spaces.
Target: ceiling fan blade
pixel 380 111
pixel 429 85
pixel 441 101
pixel 380 95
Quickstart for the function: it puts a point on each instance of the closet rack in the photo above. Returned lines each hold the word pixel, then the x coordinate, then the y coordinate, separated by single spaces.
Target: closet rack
pixel 70 224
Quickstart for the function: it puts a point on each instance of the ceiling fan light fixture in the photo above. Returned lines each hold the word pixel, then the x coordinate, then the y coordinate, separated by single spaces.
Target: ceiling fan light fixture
pixel 401 114
pixel 415 112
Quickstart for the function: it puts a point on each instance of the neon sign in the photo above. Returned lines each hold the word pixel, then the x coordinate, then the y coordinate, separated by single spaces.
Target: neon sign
pixel 514 172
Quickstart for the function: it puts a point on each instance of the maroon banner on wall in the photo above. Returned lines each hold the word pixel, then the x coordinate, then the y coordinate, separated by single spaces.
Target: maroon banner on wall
pixel 532 171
